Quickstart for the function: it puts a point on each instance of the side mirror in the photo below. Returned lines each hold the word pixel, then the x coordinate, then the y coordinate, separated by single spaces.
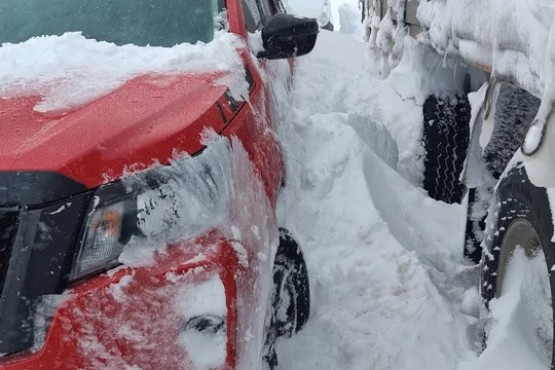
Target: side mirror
pixel 286 36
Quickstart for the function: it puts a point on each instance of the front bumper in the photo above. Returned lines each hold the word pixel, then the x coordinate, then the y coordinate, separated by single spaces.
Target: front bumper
pixel 131 317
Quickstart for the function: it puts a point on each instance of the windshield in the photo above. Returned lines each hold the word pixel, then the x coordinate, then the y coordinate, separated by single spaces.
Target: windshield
pixel 139 22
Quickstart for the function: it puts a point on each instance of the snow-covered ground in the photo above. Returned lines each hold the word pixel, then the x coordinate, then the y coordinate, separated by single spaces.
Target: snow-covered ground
pixel 391 289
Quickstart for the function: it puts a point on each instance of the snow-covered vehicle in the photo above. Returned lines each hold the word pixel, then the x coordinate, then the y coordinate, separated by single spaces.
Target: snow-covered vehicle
pixel 137 200
pixel 485 69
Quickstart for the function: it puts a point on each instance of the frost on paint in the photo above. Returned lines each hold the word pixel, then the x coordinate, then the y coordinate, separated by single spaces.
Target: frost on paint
pixel 510 36
pixel 217 191
pixel 180 201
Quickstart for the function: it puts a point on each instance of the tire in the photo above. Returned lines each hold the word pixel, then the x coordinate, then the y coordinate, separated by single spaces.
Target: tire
pixel 474 230
pixel 291 278
pixel 445 138
pixel 514 112
pixel 291 295
pixel 522 217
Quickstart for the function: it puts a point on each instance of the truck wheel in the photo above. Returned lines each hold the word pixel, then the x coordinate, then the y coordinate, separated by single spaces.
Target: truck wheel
pixel 292 298
pixel 521 220
pixel 291 295
pixel 474 230
pixel 445 138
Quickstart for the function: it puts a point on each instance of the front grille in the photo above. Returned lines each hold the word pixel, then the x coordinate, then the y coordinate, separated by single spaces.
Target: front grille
pixel 9 221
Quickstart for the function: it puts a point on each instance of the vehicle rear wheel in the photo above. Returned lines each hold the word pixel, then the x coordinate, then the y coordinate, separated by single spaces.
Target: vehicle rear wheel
pixel 521 225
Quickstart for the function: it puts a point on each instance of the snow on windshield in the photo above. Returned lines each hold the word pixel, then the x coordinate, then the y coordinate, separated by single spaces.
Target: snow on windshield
pixel 69 71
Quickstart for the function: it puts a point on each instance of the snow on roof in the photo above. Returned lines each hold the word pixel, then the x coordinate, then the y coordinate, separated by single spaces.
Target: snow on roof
pixel 513 37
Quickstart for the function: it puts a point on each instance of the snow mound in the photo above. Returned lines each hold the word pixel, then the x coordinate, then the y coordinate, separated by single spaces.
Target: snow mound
pixel 390 287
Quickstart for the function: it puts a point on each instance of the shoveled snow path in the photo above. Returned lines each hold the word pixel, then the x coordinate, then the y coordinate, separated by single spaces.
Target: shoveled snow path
pixel 390 287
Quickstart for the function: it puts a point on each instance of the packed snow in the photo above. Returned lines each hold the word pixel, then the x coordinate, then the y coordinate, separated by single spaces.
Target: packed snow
pixel 391 289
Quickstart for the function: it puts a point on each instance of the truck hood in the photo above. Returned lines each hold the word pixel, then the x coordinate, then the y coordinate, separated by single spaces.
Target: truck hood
pixel 134 126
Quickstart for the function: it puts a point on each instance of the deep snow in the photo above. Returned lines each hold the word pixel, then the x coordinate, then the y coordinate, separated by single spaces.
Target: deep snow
pixel 391 289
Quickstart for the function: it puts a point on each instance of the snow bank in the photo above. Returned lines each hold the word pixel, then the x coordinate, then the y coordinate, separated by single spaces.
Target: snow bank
pixel 339 78
pixel 51 67
pixel 390 287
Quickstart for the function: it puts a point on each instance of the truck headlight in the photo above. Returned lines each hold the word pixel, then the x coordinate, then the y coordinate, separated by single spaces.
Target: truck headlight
pixel 162 205
pixel 111 221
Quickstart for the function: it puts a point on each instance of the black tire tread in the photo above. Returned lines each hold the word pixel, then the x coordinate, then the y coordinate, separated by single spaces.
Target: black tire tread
pixel 445 138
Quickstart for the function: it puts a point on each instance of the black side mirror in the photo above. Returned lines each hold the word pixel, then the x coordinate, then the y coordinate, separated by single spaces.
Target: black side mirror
pixel 286 36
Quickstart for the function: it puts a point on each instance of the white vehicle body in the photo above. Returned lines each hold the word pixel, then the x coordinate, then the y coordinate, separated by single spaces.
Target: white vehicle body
pixel 512 40
pixel 500 113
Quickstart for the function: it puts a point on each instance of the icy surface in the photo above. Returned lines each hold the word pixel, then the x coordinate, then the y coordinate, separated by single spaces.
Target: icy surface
pixel 390 288
pixel 49 67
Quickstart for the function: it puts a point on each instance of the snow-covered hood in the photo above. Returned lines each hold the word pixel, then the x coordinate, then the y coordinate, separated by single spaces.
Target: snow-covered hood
pixel 93 113
pixel 137 124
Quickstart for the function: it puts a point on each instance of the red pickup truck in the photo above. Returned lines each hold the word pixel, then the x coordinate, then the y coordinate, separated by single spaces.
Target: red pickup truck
pixel 138 230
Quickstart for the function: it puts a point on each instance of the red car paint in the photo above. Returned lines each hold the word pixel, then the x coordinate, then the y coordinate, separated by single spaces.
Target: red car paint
pixel 92 310
pixel 156 122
